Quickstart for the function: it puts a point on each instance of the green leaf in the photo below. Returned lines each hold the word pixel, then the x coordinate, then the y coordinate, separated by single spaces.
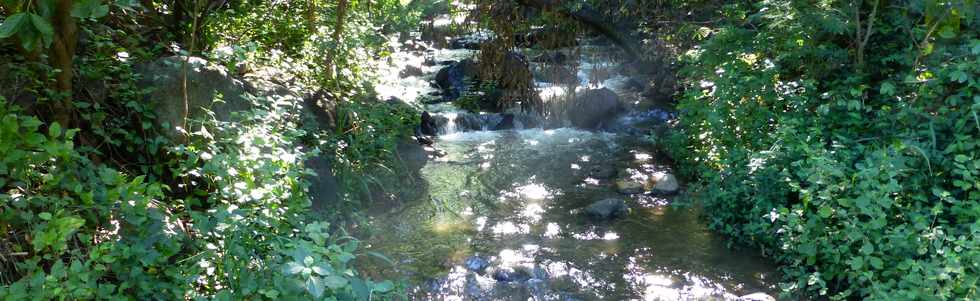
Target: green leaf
pixel 44 216
pixel 314 286
pixel 294 268
pixel 361 290
pixel 384 286
pixel 43 26
pixel 876 262
pixel 89 9
pixel 54 130
pixel 961 158
pixel 335 282
pixel 887 88
pixel 867 248
pixel 12 25
pixel 825 211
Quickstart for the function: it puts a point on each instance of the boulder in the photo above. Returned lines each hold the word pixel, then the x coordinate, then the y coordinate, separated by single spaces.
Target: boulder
pixel 452 79
pixel 468 122
pixel 323 184
pixel 209 87
pixel 430 124
pixel 665 183
pixel 591 108
pixel 506 123
pixel 607 209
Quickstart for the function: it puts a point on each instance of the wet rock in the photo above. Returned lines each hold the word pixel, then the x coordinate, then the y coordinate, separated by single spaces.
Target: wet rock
pixel 411 71
pixel 425 140
pixel 452 79
pixel 430 124
pixel 506 123
pixel 666 183
pixel 468 122
pixel 476 264
pixel 757 297
pixel 607 209
pixel 511 275
pixel 594 107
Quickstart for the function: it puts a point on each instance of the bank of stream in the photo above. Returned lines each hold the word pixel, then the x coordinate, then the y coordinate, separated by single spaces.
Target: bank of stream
pixel 505 214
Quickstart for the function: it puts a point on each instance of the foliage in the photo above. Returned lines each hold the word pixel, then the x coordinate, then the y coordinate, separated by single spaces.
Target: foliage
pixel 845 149
pixel 239 232
pixel 114 209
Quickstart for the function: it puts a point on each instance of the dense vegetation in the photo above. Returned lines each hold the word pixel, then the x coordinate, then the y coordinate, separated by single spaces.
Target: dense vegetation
pixel 98 201
pixel 842 138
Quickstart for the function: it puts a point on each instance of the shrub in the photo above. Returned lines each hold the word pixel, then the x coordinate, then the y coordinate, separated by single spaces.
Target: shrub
pixel 854 166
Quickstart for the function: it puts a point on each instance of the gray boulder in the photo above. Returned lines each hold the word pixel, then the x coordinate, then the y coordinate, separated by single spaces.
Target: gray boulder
pixel 593 107
pixel 209 87
pixel 607 209
pixel 666 184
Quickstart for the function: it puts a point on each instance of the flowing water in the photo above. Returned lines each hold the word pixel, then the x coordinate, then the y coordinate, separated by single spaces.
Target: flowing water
pixel 501 219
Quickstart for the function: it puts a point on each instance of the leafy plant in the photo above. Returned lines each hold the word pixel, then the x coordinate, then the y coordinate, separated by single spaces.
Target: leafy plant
pixel 844 149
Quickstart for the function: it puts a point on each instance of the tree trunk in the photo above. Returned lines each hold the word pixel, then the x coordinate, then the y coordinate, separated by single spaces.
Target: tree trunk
pixel 61 56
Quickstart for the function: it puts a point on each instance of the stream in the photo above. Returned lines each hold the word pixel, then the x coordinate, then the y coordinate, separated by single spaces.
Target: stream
pixel 502 214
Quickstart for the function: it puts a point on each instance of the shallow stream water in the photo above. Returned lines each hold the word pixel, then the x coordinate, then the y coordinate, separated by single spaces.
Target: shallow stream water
pixel 501 219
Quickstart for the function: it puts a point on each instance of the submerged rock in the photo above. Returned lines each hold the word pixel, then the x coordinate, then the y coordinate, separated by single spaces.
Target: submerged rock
pixel 593 107
pixel 607 209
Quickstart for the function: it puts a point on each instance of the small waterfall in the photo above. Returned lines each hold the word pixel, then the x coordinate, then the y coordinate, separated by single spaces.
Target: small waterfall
pixel 450 127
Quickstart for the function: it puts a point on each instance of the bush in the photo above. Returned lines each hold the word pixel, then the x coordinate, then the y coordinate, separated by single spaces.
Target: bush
pixel 857 167
pixel 239 228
